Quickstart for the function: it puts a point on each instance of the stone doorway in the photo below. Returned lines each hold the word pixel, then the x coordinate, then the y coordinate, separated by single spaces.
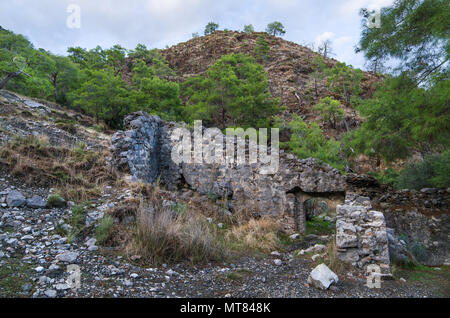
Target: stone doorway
pixel 299 205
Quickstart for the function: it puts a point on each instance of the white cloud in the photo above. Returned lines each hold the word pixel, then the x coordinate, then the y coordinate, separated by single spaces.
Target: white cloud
pixel 323 37
pixel 157 23
pixel 343 40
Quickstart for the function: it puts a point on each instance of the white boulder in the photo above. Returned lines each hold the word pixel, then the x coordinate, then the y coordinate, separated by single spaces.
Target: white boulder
pixel 322 277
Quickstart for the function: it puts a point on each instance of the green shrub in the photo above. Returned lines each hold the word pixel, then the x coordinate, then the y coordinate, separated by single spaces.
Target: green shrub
pixel 330 110
pixel 419 251
pixel 97 128
pixel 389 176
pixel 319 226
pixel 262 49
pixel 104 229
pixel 55 200
pixel 78 216
pixel 307 140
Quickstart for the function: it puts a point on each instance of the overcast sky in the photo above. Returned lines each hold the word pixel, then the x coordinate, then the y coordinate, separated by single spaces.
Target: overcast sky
pixel 157 23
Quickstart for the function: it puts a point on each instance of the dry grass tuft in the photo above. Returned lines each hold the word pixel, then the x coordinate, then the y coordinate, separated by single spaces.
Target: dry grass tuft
pixel 164 236
pixel 257 235
pixel 77 173
pixel 332 260
pixel 129 207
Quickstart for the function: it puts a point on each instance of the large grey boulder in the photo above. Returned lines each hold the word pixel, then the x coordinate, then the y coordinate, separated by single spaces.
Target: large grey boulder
pixel 36 202
pixel 15 199
pixel 322 277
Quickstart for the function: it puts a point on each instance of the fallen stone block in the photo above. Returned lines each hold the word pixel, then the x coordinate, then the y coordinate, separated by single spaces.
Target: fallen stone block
pixel 322 277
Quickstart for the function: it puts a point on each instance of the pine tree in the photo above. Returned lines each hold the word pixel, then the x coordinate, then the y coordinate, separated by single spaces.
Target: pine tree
pixel 275 28
pixel 330 110
pixel 262 49
pixel 234 91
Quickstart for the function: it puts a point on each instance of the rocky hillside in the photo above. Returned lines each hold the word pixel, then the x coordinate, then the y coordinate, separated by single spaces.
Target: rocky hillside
pixel 289 68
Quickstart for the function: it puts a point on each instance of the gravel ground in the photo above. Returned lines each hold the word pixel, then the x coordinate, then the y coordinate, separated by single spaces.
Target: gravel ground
pixel 34 260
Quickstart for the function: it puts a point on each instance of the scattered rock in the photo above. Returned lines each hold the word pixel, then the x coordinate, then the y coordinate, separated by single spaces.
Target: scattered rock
pixel 91 242
pixel 36 202
pixel 322 277
pixel 294 236
pixel 27 287
pixel 68 257
pixel 54 268
pixel 62 287
pixel 50 293
pixel 171 272
pixel 39 269
pixel 27 238
pixel 15 199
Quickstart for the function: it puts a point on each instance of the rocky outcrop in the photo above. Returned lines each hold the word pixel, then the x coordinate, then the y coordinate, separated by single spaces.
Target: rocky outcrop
pixel 27 117
pixel 361 236
pixel 145 151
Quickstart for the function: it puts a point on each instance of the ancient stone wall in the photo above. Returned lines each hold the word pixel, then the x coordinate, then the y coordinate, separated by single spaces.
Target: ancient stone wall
pixel 144 150
pixel 361 237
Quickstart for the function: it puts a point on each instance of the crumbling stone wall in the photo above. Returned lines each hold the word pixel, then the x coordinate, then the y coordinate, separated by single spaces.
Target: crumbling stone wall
pixel 361 237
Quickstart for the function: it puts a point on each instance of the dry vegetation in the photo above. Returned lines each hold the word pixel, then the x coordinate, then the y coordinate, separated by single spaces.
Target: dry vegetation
pixel 255 235
pixel 165 233
pixel 78 174
pixel 153 231
pixel 332 260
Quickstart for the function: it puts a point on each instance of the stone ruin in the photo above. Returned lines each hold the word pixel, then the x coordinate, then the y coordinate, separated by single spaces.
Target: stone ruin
pixel 361 237
pixel 145 151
